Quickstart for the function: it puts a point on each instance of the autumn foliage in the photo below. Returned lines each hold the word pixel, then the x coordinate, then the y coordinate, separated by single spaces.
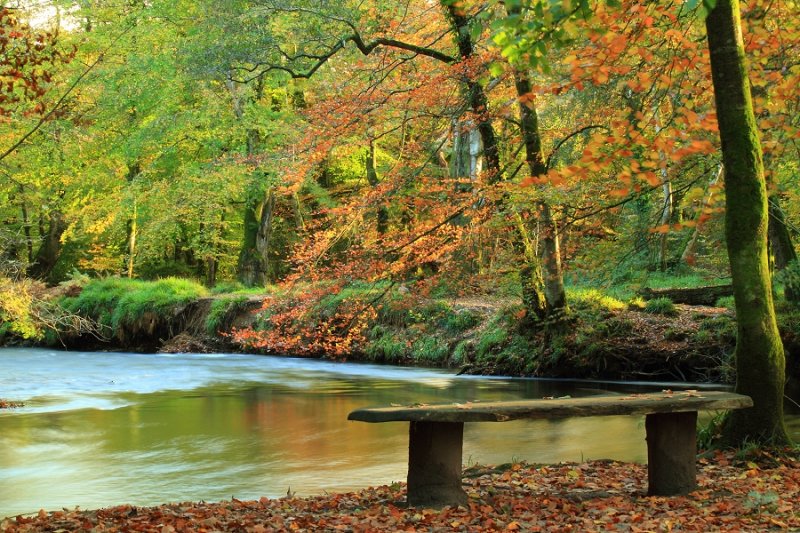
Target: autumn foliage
pixel 27 62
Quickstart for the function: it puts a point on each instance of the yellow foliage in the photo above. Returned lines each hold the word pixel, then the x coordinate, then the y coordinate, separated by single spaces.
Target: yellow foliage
pixel 15 308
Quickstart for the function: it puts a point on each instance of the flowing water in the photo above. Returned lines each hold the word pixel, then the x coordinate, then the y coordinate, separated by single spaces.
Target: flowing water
pixel 101 429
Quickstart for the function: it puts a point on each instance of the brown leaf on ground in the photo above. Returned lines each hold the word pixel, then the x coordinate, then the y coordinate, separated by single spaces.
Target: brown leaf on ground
pixel 732 495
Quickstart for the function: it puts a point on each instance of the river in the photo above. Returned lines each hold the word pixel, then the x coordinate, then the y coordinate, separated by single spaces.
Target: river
pixel 101 429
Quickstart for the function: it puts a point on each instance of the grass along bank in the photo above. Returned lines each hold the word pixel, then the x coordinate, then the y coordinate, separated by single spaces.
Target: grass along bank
pixel 619 336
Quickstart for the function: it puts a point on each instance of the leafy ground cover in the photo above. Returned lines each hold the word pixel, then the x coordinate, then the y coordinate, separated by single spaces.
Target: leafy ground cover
pixel 757 493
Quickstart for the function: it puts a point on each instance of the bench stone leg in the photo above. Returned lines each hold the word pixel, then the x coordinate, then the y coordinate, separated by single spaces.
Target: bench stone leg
pixel 671 453
pixel 434 464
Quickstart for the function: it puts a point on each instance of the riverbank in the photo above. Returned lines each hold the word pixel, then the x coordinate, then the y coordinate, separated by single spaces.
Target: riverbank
pixel 735 493
pixel 601 337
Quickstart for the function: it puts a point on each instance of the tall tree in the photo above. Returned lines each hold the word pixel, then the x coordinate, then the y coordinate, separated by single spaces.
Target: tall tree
pixel 760 363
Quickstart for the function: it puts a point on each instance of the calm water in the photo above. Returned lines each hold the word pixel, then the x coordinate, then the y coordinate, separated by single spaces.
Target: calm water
pixel 101 429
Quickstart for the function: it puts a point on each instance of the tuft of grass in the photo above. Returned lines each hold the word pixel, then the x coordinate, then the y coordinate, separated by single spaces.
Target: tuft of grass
pixel 721 328
pixel 726 302
pixel 661 306
pixel 430 350
pixel 492 341
pixel 385 347
pixel 461 353
pixel 238 289
pixel 461 321
pixel 582 297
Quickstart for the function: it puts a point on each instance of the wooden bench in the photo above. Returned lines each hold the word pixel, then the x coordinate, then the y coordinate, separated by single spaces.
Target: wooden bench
pixel 437 431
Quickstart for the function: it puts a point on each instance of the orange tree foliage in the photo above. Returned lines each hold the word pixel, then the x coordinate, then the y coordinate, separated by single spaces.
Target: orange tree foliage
pixel 299 325
pixel 625 106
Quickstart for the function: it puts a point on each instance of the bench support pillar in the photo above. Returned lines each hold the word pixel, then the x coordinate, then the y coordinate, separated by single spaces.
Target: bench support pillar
pixel 434 464
pixel 671 453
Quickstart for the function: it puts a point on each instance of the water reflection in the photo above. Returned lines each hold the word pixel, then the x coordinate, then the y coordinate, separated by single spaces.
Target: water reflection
pixel 102 429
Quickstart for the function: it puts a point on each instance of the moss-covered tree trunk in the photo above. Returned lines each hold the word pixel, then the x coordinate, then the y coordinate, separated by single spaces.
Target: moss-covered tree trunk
pixel 760 363
pixel 553 278
pixel 50 250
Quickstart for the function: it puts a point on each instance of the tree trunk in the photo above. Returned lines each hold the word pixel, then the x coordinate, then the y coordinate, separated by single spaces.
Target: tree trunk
pixel 26 225
pixel 134 169
pixel 382 214
pixel 132 231
pixel 475 93
pixel 533 282
pixel 760 363
pixel 264 235
pixel 49 251
pixel 250 268
pixel 666 206
pixel 554 293
pixel 687 257
pixel 780 241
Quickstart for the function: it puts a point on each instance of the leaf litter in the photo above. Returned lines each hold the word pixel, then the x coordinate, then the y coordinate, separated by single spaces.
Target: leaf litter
pixel 759 493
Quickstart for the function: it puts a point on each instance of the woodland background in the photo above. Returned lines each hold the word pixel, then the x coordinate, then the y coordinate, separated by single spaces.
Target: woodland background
pixel 360 153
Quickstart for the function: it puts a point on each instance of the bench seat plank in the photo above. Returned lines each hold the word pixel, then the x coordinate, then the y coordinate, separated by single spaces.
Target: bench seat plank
pixel 601 405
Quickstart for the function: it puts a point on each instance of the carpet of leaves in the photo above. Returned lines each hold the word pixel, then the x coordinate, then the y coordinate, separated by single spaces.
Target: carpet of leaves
pixel 760 493
pixel 8 404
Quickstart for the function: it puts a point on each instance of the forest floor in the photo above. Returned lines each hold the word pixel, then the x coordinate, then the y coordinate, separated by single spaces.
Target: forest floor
pixel 760 492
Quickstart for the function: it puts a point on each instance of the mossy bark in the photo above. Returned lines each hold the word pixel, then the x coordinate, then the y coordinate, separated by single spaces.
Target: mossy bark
pixel 550 254
pixel 760 363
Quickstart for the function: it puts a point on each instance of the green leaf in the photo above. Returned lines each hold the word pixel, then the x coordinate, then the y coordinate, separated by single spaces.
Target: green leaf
pixel 496 69
pixel 475 30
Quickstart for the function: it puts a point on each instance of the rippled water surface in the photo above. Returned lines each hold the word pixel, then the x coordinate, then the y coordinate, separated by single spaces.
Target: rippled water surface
pixel 101 429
